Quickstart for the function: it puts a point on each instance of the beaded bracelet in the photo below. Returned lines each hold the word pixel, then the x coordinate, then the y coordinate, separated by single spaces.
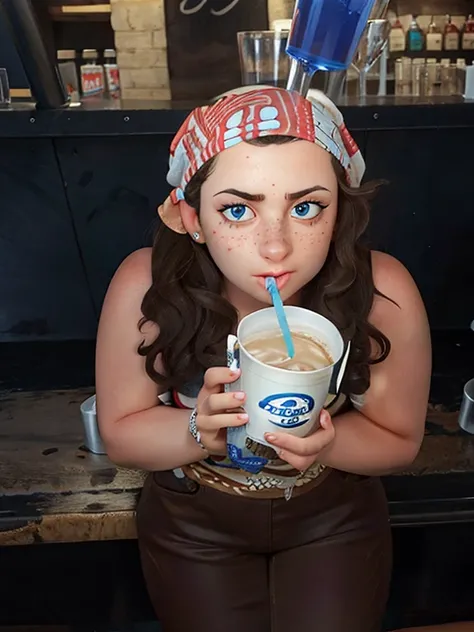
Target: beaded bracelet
pixel 193 429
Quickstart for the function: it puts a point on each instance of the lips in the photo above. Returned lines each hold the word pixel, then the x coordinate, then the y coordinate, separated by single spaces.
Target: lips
pixel 281 279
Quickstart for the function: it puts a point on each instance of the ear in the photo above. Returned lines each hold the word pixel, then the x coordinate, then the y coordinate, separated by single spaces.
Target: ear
pixel 171 216
pixel 190 220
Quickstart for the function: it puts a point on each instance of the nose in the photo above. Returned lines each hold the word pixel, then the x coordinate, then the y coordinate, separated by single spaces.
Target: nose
pixel 275 245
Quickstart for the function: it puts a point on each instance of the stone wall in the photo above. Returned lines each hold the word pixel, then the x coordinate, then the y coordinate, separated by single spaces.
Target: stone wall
pixel 140 41
pixel 280 9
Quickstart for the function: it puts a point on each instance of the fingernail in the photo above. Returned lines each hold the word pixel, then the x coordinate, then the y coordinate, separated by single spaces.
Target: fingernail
pixel 243 417
pixel 234 372
pixel 270 437
pixel 239 396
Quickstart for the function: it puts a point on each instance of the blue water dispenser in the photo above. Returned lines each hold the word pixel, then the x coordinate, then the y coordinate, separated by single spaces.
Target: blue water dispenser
pixel 324 36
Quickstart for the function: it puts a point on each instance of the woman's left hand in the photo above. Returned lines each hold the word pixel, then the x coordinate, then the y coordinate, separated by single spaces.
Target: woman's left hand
pixel 299 452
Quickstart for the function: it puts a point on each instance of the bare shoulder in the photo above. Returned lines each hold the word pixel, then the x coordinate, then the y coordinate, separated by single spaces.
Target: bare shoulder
pixel 401 305
pixel 393 280
pixel 390 274
pixel 127 289
pixel 132 278
pixel 134 271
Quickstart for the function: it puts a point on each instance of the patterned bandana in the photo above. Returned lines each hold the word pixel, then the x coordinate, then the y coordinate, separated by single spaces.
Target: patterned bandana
pixel 246 114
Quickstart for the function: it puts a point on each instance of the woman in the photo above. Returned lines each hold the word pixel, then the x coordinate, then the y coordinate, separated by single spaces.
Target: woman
pixel 267 183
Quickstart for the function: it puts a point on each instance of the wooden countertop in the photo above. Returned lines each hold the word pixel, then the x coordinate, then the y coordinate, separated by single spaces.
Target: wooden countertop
pixel 53 490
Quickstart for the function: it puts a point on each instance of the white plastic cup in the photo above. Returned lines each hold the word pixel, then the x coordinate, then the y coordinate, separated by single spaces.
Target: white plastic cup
pixel 279 399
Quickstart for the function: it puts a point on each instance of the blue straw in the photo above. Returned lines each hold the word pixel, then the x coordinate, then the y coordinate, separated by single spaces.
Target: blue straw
pixel 272 289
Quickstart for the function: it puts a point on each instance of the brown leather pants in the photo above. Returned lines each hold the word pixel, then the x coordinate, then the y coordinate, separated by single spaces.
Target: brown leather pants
pixel 318 562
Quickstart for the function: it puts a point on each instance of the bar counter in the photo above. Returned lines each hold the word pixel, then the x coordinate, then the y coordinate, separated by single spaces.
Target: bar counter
pixel 120 117
pixel 53 490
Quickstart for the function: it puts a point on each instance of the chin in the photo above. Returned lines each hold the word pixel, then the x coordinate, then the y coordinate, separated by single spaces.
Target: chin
pixel 290 295
pixel 263 298
pixel 255 298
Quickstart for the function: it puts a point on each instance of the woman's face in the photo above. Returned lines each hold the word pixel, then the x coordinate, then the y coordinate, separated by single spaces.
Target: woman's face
pixel 269 211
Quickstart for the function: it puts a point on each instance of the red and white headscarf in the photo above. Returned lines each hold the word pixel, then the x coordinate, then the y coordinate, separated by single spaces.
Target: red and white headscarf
pixel 245 114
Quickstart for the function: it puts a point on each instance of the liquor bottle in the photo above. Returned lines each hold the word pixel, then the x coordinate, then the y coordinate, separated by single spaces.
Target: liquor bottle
pixel 112 75
pixel 451 35
pixel 434 37
pixel 468 34
pixel 92 73
pixel 396 40
pixel 415 37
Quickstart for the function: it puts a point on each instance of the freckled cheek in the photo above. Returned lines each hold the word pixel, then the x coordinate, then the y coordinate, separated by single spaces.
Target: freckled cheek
pixel 310 238
pixel 224 241
pixel 241 242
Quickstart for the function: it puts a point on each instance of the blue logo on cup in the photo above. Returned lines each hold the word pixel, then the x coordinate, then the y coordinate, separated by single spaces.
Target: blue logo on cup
pixel 288 410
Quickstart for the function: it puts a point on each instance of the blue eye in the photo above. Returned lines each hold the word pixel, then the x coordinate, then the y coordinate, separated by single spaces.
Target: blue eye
pixel 307 210
pixel 237 213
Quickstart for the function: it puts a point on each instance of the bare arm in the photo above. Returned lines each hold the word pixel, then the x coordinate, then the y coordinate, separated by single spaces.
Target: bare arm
pixel 386 433
pixel 137 432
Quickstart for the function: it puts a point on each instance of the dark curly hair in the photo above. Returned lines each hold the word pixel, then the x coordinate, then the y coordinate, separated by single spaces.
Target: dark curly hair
pixel 185 299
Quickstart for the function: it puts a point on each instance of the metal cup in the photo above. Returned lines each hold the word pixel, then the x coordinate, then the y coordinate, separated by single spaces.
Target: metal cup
pixel 466 414
pixel 93 442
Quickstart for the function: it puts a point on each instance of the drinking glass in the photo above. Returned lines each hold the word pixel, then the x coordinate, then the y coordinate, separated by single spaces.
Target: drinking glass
pixel 263 59
pixel 372 43
pixel 403 77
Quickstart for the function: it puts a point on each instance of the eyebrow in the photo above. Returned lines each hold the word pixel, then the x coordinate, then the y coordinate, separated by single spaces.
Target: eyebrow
pixel 251 197
pixel 259 197
pixel 299 194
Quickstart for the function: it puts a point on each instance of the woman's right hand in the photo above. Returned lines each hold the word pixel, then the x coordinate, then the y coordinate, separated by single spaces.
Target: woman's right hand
pixel 217 410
